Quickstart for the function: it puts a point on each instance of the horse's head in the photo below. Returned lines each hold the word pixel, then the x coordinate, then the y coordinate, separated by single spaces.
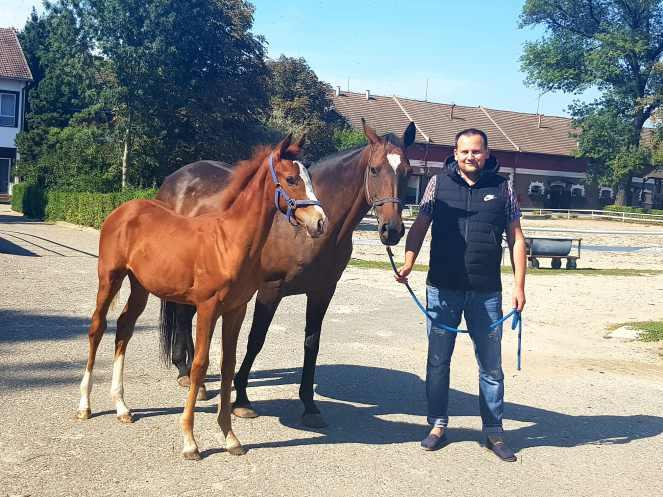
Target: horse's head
pixel 386 180
pixel 295 197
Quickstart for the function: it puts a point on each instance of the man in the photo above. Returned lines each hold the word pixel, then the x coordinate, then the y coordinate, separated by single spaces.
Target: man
pixel 470 206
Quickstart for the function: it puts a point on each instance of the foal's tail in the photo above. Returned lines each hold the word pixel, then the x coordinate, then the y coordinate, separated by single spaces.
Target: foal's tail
pixel 167 329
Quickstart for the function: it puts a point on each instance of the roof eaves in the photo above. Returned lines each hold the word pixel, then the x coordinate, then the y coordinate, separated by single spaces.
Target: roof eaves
pixel 498 127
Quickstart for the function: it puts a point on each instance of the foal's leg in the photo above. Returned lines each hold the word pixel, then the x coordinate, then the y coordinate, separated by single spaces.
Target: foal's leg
pixel 208 313
pixel 183 349
pixel 267 302
pixel 316 307
pixel 125 329
pixel 231 326
pixel 109 284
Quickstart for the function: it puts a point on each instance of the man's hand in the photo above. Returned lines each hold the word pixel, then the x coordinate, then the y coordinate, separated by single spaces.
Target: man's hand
pixel 518 299
pixel 403 273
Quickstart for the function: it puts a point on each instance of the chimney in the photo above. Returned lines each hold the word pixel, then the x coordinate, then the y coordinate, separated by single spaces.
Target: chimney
pixel 368 94
pixel 451 112
pixel 338 90
pixel 539 124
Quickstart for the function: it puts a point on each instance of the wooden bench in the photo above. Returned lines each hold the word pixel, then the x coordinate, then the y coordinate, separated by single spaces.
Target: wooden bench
pixel 555 249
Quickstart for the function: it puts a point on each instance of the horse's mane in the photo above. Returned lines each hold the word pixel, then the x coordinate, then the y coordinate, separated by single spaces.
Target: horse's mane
pixel 243 172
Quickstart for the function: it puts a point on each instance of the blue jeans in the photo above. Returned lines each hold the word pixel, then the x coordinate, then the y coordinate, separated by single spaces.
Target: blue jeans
pixel 480 310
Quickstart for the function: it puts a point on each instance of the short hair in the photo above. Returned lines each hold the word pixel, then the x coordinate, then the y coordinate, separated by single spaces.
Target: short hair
pixel 472 132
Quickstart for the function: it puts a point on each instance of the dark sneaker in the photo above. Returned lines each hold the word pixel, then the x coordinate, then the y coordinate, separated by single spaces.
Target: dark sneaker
pixel 433 442
pixel 500 448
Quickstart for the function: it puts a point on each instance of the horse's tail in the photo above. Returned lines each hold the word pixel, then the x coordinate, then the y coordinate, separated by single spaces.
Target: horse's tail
pixel 167 330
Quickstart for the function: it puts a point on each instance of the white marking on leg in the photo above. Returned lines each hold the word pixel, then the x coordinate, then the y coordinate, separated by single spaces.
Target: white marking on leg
pixel 117 386
pixel 310 194
pixel 86 388
pixel 394 161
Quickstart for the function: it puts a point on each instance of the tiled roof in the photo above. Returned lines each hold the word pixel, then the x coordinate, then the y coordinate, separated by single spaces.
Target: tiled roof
pixel 12 61
pixel 506 130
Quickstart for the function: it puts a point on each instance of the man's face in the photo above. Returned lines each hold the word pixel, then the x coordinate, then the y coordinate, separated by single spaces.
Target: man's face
pixel 471 154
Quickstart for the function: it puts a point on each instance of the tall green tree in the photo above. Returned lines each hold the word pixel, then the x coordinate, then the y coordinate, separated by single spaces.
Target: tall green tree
pixel 613 45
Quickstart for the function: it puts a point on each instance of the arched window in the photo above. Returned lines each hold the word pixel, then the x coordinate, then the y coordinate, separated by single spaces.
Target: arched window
pixel 606 194
pixel 536 189
pixel 577 191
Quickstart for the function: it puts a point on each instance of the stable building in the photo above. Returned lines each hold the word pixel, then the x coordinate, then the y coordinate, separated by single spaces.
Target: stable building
pixel 15 76
pixel 535 152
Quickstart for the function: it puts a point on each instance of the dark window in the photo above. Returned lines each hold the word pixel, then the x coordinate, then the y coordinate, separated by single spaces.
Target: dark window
pixel 9 109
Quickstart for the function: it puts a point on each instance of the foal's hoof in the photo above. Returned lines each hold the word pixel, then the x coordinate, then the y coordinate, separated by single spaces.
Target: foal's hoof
pixel 236 451
pixel 244 411
pixel 202 393
pixel 83 414
pixel 184 381
pixel 192 456
pixel 127 418
pixel 314 420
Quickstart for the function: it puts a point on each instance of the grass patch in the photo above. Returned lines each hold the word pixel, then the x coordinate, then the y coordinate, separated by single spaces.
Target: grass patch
pixel 650 331
pixel 385 265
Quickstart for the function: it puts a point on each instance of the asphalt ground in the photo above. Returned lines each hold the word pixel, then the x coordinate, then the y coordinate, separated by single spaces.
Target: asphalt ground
pixel 585 414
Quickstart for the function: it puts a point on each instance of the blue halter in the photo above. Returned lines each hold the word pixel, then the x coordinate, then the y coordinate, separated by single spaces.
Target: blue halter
pixel 292 204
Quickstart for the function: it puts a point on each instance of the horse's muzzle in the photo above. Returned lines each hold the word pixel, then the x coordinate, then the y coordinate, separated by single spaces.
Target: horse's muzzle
pixel 391 233
pixel 315 222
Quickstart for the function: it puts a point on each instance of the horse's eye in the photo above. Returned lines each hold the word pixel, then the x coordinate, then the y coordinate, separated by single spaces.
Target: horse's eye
pixel 292 181
pixel 374 171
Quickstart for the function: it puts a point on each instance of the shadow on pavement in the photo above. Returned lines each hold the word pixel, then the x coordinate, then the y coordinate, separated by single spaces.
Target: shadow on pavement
pixel 10 248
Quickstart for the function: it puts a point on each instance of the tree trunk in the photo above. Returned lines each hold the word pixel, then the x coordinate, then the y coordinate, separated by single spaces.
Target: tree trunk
pixel 126 154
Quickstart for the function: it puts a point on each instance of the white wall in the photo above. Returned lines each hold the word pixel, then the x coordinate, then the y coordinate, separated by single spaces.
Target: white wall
pixel 8 135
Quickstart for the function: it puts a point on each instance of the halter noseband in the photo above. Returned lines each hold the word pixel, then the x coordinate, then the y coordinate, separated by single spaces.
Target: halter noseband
pixel 292 204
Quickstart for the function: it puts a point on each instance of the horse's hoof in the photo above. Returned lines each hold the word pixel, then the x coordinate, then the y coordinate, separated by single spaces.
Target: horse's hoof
pixel 245 412
pixel 192 456
pixel 83 414
pixel 314 420
pixel 202 393
pixel 127 418
pixel 184 381
pixel 236 451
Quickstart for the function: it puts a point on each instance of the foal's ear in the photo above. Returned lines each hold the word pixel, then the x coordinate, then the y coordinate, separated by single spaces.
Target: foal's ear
pixel 370 133
pixel 295 148
pixel 281 149
pixel 409 135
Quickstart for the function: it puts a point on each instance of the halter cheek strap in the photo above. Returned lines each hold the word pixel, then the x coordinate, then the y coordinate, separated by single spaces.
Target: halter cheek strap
pixel 292 204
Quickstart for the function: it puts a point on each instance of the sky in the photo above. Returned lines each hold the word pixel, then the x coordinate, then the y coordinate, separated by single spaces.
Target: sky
pixel 465 53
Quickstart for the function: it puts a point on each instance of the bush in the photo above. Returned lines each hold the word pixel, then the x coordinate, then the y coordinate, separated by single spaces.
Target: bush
pixel 632 210
pixel 84 208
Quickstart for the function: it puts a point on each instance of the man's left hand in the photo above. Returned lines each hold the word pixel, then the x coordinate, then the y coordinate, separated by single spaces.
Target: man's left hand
pixel 518 299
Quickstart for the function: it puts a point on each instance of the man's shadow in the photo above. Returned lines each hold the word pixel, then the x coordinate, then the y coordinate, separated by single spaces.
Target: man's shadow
pixel 384 393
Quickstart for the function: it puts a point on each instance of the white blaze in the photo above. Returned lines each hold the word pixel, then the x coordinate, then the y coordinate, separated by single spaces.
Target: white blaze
pixel 394 161
pixel 310 194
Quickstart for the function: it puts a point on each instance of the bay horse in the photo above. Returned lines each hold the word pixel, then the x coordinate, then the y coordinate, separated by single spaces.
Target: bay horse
pixel 208 261
pixel 348 184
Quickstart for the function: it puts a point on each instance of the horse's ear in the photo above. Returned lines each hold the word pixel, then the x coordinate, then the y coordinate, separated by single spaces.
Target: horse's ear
pixel 281 148
pixel 409 134
pixel 370 133
pixel 295 148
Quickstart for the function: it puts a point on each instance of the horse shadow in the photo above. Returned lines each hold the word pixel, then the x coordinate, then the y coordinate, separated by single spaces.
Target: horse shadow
pixel 382 394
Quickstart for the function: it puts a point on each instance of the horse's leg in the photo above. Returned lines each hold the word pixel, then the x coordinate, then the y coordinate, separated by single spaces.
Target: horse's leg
pixel 208 313
pixel 109 284
pixel 232 324
pixel 183 347
pixel 316 307
pixel 125 329
pixel 267 302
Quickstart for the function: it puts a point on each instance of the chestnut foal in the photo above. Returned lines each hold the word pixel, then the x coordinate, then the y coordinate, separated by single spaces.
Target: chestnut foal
pixel 210 262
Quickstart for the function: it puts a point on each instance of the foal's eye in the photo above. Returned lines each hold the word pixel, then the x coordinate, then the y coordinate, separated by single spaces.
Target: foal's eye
pixel 374 171
pixel 292 180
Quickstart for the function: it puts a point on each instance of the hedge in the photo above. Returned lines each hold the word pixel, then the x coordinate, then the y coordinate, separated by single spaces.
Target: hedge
pixel 632 210
pixel 84 208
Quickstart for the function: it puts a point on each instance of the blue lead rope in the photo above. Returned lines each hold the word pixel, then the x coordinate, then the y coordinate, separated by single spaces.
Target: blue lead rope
pixel 517 321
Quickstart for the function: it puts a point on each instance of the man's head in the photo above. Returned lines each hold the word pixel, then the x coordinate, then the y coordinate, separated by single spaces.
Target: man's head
pixel 471 151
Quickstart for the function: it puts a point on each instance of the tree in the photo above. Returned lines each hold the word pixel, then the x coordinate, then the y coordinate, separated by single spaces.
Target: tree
pixel 613 45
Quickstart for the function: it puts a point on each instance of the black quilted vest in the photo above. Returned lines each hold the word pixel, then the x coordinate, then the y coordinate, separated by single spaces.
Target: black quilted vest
pixel 468 223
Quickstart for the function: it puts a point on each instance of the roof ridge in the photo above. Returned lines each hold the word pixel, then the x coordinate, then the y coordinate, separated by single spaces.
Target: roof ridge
pixel 395 98
pixel 501 130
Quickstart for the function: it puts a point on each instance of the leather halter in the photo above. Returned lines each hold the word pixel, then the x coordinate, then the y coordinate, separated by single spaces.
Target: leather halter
pixel 292 204
pixel 383 200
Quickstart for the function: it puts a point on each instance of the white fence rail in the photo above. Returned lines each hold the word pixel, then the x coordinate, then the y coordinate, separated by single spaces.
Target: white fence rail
pixel 597 214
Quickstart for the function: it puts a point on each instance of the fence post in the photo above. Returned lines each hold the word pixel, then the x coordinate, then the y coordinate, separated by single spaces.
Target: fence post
pixel 623 217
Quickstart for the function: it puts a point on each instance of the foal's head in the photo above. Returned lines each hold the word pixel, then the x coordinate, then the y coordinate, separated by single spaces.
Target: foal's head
pixel 293 179
pixel 386 180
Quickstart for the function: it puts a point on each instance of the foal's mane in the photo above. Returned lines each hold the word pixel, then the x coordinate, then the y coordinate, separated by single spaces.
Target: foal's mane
pixel 243 173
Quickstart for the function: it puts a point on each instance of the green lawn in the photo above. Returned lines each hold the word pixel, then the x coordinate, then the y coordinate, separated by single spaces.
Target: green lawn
pixel 650 331
pixel 360 263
